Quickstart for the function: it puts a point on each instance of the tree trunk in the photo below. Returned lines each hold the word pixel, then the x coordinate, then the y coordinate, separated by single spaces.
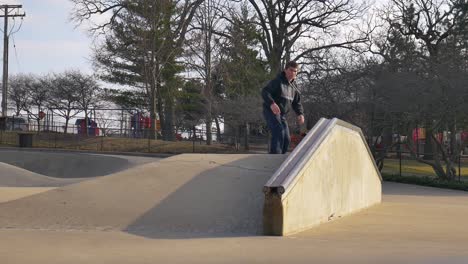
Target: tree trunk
pixel 428 148
pixel 194 136
pixel 170 117
pixel 160 107
pixel 67 119
pixel 438 169
pixel 218 130
pixel 209 136
pixel 246 136
pixel 275 60
pixel 153 113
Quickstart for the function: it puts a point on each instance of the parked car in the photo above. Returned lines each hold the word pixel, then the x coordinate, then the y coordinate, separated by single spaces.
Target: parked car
pixel 13 123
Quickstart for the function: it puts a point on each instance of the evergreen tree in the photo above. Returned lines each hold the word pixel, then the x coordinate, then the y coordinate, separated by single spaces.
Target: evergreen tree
pixel 240 75
pixel 143 39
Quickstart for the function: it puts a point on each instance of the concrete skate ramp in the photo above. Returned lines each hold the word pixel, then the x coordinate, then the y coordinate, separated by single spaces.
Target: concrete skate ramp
pixel 331 173
pixel 13 193
pixel 64 164
pixel 185 196
pixel 12 176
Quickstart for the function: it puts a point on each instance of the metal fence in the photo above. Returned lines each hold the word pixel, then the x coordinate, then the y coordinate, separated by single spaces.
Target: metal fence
pixel 401 162
pixel 131 140
pixel 398 161
pixel 119 130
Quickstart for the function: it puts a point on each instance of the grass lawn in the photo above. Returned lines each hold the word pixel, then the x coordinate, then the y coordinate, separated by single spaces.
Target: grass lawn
pixel 415 168
pixel 414 172
pixel 116 144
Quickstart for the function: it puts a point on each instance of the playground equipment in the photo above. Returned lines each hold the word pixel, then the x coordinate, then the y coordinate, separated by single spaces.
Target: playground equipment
pixel 90 129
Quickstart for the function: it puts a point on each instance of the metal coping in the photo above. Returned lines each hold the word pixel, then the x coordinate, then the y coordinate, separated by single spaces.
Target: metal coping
pixel 289 170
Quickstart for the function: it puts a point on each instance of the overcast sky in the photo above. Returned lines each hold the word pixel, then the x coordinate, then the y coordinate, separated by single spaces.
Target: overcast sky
pixel 47 41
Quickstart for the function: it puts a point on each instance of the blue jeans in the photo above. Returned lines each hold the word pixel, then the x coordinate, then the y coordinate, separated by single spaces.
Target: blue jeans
pixel 280 137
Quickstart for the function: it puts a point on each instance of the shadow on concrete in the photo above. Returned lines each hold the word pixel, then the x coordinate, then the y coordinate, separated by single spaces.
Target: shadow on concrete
pixel 12 176
pixel 226 201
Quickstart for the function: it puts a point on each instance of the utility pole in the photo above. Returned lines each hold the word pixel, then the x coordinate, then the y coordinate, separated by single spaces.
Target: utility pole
pixel 7 10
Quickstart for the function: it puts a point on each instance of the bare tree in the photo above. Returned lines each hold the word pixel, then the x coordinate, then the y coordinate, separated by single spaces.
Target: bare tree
pixel 161 26
pixel 38 95
pixel 64 95
pixel 17 92
pixel 90 11
pixel 203 49
pixel 87 90
pixel 286 24
pixel 106 121
pixel 239 75
pixel 429 38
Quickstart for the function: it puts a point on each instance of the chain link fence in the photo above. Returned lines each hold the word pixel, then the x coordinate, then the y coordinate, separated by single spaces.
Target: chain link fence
pixel 126 136
pixel 400 161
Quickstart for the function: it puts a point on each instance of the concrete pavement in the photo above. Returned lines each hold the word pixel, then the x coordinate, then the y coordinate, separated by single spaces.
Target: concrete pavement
pixel 203 209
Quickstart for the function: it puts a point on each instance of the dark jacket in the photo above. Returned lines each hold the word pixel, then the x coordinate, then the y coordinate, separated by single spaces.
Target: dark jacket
pixel 284 94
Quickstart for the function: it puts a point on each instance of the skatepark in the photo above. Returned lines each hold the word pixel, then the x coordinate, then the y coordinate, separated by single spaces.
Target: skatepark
pixel 305 207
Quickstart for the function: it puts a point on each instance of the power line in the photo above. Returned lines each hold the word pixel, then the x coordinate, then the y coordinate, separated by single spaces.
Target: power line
pixel 8 13
pixel 16 55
